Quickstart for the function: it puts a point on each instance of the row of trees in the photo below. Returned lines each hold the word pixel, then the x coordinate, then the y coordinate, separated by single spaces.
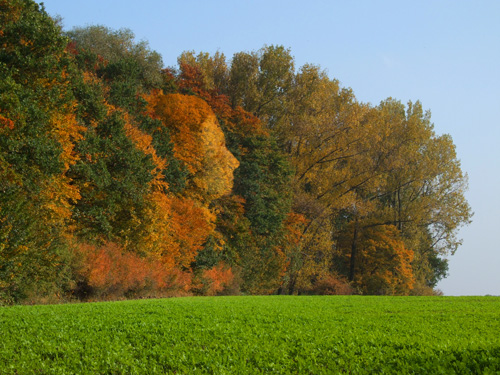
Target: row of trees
pixel 121 178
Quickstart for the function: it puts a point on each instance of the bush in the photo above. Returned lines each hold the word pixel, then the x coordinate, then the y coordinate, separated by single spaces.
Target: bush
pixel 218 280
pixel 421 289
pixel 331 285
pixel 109 272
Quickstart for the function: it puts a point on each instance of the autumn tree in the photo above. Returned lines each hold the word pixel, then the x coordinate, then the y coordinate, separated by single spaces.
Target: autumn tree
pixel 328 145
pixel 38 129
pixel 122 56
pixel 260 82
pixel 383 263
pixel 422 193
pixel 199 143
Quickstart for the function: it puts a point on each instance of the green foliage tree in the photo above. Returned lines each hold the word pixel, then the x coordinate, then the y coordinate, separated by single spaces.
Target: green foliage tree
pixel 262 180
pixel 37 129
pixel 124 56
pixel 260 82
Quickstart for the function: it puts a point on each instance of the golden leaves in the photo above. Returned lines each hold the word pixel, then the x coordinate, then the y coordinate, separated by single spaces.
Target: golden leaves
pixel 382 262
pixel 68 132
pixel 199 142
pixel 178 229
pixel 57 196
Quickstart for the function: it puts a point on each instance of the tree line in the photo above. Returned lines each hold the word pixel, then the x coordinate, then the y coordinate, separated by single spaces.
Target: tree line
pixel 120 178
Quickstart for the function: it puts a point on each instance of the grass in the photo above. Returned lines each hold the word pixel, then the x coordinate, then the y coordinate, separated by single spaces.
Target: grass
pixel 251 335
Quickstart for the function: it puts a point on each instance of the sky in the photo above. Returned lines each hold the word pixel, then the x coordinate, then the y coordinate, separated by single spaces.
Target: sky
pixel 444 53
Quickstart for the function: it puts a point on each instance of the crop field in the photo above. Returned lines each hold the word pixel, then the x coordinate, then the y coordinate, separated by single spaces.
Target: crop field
pixel 251 335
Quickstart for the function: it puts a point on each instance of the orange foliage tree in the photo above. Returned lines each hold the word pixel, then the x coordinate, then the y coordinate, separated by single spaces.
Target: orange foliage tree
pixel 183 222
pixel 382 263
pixel 198 142
pixel 177 229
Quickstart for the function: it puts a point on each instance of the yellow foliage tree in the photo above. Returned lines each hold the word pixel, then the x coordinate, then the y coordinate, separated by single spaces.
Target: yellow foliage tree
pixel 382 263
pixel 198 142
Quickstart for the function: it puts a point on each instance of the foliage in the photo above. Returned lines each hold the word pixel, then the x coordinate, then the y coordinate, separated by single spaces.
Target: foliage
pixel 259 182
pixel 109 272
pixel 328 284
pixel 198 142
pixel 382 264
pixel 216 280
pixel 125 58
pixel 37 137
pixel 352 161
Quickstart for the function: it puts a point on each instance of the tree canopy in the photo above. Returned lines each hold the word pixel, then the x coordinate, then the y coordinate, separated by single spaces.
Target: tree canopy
pixel 121 178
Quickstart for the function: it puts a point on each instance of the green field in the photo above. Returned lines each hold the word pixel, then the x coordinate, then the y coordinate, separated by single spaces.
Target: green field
pixel 238 335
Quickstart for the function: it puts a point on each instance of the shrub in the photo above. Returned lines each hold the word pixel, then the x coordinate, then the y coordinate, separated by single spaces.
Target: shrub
pixel 329 284
pixel 217 280
pixel 109 272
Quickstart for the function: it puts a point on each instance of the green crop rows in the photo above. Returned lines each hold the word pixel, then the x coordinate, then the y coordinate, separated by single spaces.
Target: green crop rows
pixel 239 335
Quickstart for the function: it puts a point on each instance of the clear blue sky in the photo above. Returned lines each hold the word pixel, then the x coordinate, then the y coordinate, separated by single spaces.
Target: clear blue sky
pixel 444 53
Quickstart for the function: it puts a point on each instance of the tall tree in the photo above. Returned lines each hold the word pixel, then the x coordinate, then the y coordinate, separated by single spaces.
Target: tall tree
pixel 383 264
pixel 122 55
pixel 423 190
pixel 260 81
pixel 38 130
pixel 259 193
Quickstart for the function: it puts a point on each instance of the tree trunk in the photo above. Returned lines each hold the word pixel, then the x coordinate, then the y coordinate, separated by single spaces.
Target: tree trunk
pixel 352 264
pixel 291 285
pixel 400 223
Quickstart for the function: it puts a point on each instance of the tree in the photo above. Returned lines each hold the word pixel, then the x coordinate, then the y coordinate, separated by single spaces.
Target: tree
pixel 327 143
pixel 259 181
pixel 112 173
pixel 244 175
pixel 123 56
pixel 260 82
pixel 383 263
pixel 127 155
pixel 199 143
pixel 214 69
pixel 422 192
pixel 38 130
pixel 262 180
